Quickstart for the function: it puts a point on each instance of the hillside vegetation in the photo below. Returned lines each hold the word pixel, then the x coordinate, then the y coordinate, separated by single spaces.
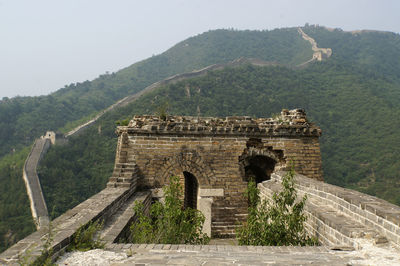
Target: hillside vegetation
pixel 359 144
pixel 353 96
pixel 376 50
pixel 22 119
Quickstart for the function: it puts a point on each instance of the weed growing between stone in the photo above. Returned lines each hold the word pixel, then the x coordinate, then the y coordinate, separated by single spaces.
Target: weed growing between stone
pixel 45 258
pixel 169 223
pixel 84 238
pixel 276 223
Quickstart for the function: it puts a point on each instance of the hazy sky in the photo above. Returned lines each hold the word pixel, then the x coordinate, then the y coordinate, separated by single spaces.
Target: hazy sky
pixel 46 44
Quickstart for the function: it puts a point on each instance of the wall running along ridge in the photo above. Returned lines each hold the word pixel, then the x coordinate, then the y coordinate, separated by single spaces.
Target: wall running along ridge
pixel 170 80
pixel 319 53
pixel 37 202
pixel 123 102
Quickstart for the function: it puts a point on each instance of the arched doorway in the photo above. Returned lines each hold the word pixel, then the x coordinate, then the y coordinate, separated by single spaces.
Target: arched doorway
pixel 191 190
pixel 259 168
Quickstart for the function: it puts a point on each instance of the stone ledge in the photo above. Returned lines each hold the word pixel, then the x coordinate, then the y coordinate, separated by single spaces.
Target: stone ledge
pixel 99 206
pixel 211 192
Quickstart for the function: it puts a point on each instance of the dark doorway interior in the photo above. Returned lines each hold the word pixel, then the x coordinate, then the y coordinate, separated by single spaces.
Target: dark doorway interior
pixel 191 188
pixel 259 168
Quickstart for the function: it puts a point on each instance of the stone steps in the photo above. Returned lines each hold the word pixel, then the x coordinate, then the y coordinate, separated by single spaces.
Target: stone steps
pixel 124 175
pixel 117 226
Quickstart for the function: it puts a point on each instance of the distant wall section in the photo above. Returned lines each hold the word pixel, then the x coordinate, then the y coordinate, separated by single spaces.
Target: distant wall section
pixel 37 202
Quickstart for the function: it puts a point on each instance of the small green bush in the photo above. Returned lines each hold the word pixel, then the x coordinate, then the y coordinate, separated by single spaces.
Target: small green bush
pixel 45 258
pixel 169 223
pixel 162 111
pixel 124 122
pixel 84 238
pixel 276 223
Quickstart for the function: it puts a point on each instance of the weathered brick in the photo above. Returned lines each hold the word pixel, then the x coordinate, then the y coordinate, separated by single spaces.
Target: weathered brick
pixel 216 158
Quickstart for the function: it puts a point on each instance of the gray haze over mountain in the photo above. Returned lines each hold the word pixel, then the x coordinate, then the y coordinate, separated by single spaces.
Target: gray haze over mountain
pixel 46 44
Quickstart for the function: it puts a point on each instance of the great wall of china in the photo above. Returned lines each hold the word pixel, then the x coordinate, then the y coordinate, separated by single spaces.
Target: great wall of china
pixel 32 183
pixel 345 221
pixel 342 219
pixel 36 198
pixel 37 201
pixel 319 53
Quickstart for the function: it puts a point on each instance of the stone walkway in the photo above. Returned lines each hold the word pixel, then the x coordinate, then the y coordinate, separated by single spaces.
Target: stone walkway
pixel 150 254
pixel 215 255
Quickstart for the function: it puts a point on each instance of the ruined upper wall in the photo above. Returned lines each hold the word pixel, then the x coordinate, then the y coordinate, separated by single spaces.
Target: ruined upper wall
pixel 290 123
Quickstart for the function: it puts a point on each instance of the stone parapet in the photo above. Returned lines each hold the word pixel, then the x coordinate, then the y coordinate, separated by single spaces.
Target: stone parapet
pixel 117 229
pixel 340 216
pixel 98 207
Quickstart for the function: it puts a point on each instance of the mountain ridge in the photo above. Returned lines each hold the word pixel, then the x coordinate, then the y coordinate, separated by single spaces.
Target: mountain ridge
pixel 355 65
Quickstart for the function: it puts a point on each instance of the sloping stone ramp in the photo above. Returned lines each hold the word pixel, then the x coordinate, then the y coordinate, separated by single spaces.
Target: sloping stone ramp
pixel 117 227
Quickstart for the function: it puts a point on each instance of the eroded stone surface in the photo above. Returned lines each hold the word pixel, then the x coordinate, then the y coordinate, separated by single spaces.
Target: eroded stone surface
pixel 230 255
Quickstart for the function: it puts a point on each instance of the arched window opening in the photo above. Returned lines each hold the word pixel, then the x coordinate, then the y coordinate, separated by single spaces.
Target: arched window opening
pixel 191 188
pixel 259 168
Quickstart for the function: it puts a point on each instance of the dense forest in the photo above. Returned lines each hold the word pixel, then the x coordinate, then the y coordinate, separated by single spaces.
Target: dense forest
pixel 353 96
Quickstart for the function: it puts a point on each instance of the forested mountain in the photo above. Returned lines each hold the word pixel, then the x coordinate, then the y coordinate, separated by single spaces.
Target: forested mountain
pixel 354 96
pixel 22 119
pixel 358 127
pixel 376 50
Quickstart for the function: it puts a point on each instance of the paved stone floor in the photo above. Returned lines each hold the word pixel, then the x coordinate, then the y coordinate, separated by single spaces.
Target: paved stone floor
pixel 214 255
pixel 228 254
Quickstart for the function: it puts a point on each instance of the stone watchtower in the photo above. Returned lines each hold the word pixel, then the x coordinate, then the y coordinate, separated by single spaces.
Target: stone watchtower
pixel 215 158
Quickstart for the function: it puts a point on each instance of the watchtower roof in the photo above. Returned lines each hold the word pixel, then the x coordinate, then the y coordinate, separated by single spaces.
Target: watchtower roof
pixel 287 123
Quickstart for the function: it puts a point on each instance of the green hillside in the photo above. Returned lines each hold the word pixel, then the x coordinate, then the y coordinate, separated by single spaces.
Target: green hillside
pixel 354 96
pixel 359 144
pixel 376 50
pixel 22 119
